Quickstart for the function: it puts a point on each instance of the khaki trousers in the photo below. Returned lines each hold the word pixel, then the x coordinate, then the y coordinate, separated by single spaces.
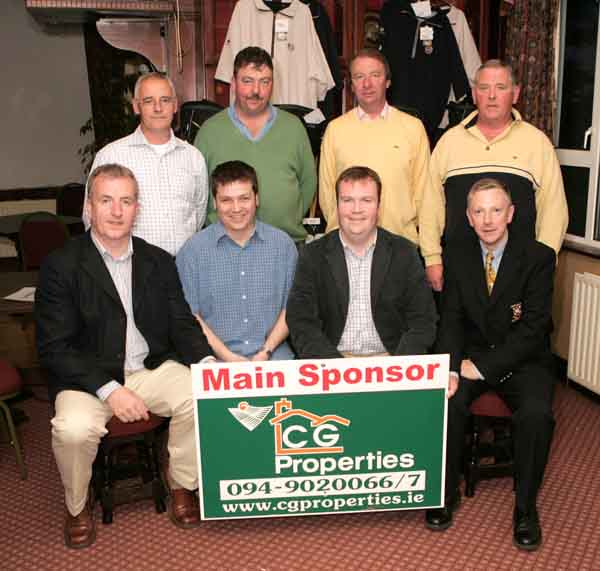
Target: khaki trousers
pixel 80 423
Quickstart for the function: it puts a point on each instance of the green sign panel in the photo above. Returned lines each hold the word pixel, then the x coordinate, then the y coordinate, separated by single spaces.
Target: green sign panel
pixel 317 437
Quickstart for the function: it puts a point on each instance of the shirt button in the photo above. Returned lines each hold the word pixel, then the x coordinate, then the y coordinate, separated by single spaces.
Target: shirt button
pixel 242 273
pixel 245 342
pixel 245 320
pixel 243 297
pixel 487 148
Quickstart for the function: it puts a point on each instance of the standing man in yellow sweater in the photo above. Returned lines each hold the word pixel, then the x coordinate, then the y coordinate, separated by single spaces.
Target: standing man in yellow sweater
pixel 378 136
pixel 492 142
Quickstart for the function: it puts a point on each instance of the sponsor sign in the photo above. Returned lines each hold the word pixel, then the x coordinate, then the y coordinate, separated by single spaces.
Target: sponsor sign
pixel 281 438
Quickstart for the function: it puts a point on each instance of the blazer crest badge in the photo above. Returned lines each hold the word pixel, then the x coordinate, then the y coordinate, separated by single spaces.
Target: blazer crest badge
pixel 517 311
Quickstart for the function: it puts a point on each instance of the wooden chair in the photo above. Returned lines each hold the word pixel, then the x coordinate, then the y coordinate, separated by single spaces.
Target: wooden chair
pixel 40 234
pixel 11 384
pixel 112 464
pixel 489 413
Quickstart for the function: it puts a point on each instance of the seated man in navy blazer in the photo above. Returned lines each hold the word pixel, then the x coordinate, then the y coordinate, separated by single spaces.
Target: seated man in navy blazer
pixel 495 324
pixel 360 291
pixel 116 337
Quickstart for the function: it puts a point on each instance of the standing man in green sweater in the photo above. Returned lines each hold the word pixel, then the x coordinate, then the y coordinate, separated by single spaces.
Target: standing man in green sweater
pixel 379 136
pixel 271 140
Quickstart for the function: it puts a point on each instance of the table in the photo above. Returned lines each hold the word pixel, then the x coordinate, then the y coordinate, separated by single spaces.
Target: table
pixel 9 283
pixel 17 330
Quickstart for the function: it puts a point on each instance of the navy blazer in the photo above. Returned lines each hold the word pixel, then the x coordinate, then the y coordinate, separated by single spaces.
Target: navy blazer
pixel 81 322
pixel 508 329
pixel 401 301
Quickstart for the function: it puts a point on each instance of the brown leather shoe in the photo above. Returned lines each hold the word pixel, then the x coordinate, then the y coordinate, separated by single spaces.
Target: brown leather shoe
pixel 184 510
pixel 80 530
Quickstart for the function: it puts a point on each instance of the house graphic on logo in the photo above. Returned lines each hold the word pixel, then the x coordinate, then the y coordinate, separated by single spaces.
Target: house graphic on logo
pixel 298 431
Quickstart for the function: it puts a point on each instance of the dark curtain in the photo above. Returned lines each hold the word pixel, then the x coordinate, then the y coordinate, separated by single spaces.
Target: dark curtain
pixel 530 33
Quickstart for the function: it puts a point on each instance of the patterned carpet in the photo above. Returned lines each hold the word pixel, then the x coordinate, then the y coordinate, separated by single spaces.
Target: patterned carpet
pixel 31 521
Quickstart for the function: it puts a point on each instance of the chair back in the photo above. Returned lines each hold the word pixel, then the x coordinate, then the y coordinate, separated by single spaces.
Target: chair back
pixel 315 132
pixel 40 234
pixel 192 114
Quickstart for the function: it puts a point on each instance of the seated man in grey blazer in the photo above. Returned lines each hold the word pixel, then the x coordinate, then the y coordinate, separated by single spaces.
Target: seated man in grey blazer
pixel 360 290
pixel 116 337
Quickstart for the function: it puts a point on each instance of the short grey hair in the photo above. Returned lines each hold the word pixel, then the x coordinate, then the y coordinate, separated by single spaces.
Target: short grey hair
pixel 111 170
pixel 497 64
pixel 152 75
pixel 488 183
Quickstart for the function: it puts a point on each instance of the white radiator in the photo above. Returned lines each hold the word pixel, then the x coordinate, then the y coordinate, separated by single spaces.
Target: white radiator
pixel 584 340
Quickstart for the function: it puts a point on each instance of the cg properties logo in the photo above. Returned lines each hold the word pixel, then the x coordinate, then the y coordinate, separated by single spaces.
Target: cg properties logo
pixel 316 435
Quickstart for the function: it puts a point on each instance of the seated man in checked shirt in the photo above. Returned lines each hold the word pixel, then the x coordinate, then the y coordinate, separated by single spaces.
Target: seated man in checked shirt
pixel 236 274
pixel 360 291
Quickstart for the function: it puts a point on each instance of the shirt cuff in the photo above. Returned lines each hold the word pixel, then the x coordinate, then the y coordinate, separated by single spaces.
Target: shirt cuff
pixel 106 390
pixel 432 260
pixel 208 359
pixel 481 377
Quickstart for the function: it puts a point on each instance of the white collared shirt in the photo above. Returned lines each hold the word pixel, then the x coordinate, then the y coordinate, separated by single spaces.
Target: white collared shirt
pixel 301 74
pixel 173 188
pixel 136 347
pixel 360 335
pixel 364 116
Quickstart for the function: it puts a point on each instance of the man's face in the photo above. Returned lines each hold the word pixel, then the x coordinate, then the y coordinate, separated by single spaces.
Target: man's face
pixel 156 105
pixel 369 83
pixel 252 87
pixel 489 213
pixel 357 209
pixel 494 94
pixel 236 205
pixel 112 206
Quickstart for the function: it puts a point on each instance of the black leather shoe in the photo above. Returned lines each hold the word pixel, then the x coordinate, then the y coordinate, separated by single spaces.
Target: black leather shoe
pixel 439 519
pixel 527 533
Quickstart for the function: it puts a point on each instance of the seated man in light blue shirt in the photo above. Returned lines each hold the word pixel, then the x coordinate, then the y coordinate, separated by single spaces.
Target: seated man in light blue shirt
pixel 236 274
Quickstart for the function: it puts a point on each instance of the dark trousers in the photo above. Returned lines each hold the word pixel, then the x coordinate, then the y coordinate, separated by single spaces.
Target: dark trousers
pixel 528 393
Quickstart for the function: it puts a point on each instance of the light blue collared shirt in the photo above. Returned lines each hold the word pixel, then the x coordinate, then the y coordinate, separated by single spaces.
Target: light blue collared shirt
pixel 498 253
pixel 239 291
pixel 235 119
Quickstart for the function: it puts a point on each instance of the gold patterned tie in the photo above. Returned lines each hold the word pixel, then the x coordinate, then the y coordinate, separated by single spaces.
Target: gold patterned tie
pixel 490 274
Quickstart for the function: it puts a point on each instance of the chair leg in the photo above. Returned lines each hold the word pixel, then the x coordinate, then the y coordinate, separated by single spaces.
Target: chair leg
pixel 106 497
pixel 472 467
pixel 14 440
pixel 158 490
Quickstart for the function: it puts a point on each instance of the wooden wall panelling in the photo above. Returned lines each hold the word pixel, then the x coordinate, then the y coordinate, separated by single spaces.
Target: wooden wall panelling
pixel 156 40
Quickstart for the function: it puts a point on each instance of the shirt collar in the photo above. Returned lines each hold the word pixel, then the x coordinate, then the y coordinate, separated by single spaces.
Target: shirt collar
pixel 362 114
pixel 220 232
pixel 235 118
pixel 138 138
pixel 498 251
pixel 288 11
pixel 106 254
pixel 471 119
pixel 347 248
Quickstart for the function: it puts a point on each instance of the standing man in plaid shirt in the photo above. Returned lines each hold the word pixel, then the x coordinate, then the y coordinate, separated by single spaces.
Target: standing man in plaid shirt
pixel 171 173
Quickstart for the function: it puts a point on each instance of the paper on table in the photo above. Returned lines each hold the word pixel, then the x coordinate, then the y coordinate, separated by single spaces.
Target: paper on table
pixel 24 294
